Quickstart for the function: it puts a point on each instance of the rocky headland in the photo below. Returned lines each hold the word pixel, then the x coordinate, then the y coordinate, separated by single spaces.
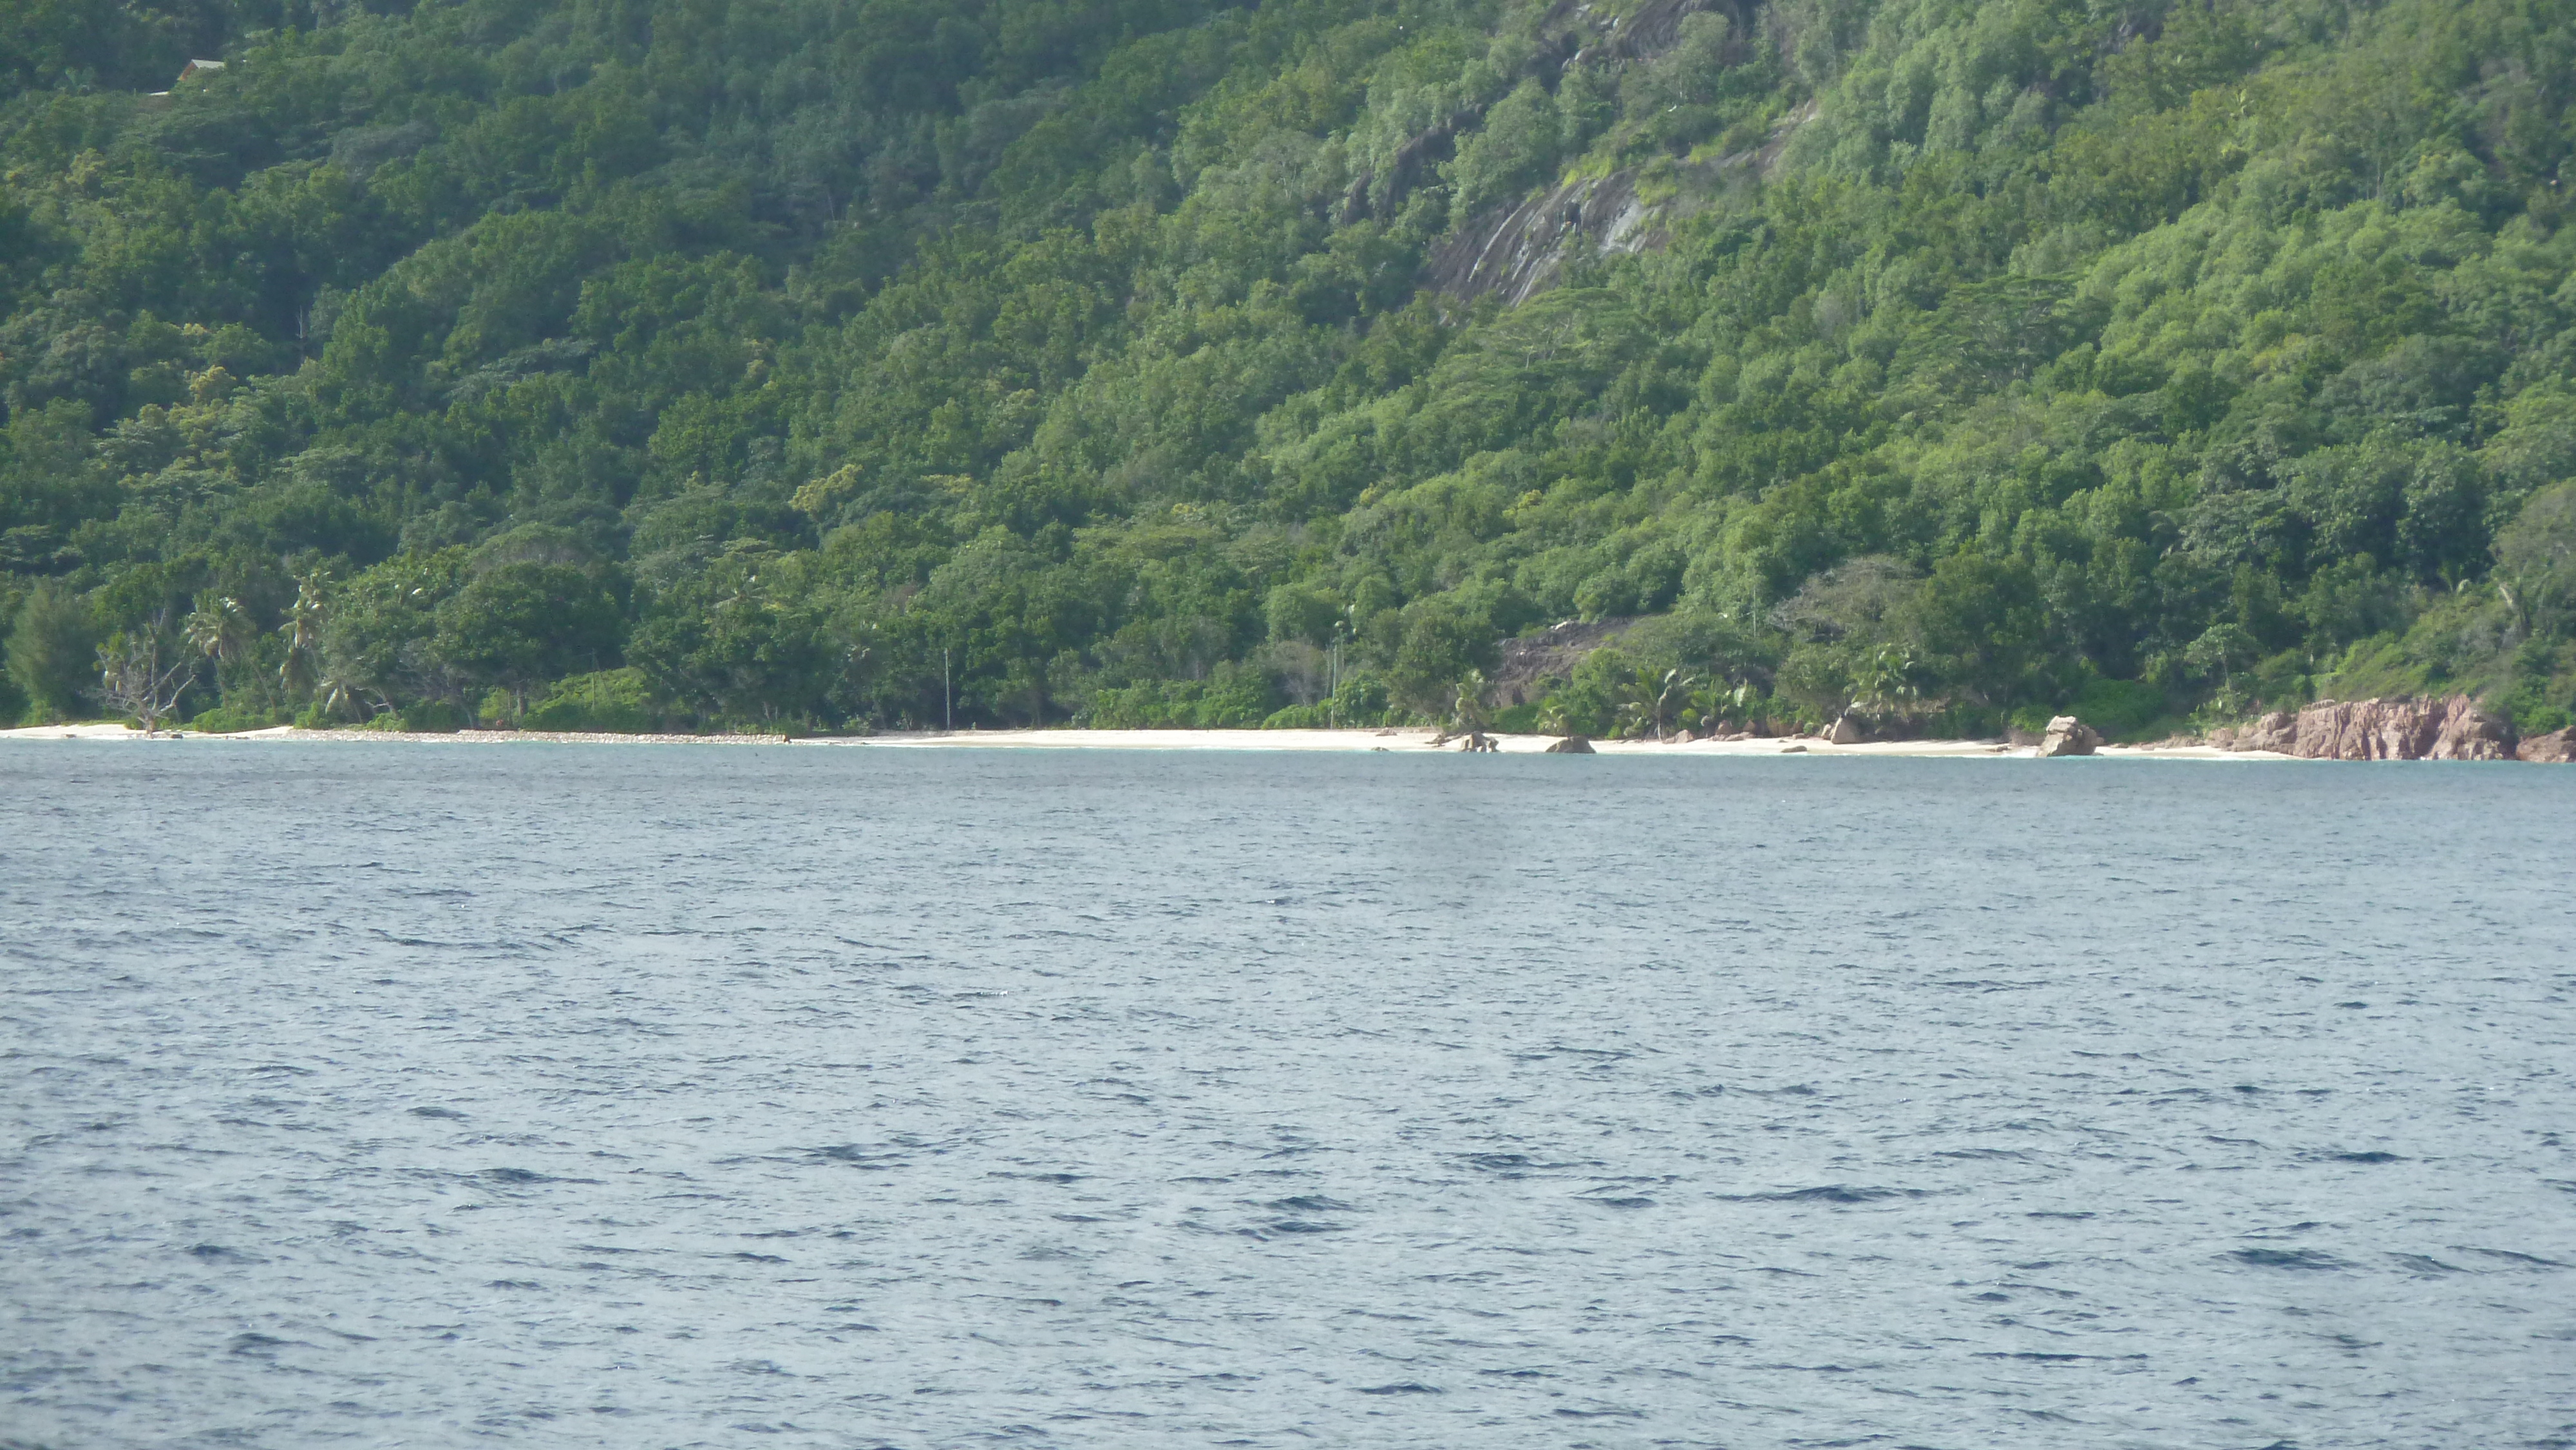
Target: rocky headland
pixel 2422 727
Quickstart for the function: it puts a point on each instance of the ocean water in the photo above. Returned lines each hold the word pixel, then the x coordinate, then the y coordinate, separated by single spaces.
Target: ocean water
pixel 604 1096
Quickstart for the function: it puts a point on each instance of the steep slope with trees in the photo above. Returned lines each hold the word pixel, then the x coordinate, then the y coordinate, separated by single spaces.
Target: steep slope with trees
pixel 629 363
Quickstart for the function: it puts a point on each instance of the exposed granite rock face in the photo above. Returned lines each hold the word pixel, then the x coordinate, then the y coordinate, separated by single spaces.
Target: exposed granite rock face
pixel 2421 728
pixel 1651 28
pixel 2558 747
pixel 2069 736
pixel 1572 34
pixel 1519 250
pixel 1572 745
pixel 1844 732
pixel 1530 662
pixel 1519 247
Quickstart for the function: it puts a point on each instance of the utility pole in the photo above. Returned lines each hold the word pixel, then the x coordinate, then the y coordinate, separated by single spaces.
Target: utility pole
pixel 947 701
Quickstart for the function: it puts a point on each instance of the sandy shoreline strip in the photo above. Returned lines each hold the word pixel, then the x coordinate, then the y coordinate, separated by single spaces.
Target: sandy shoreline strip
pixel 1412 741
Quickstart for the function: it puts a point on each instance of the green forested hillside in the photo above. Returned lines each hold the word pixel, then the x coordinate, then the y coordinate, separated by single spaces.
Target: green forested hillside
pixel 659 362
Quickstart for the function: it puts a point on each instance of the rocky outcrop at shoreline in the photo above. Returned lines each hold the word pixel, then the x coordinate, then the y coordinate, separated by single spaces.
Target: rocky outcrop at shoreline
pixel 2558 747
pixel 2420 728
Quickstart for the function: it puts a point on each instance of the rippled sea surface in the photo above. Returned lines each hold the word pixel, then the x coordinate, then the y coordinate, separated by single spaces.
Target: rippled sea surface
pixel 855 1097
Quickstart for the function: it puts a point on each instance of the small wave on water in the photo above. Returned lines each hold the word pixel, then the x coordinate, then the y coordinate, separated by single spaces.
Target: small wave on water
pixel 945 1099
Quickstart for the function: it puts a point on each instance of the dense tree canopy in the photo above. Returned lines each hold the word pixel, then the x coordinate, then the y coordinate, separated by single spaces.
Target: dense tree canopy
pixel 808 362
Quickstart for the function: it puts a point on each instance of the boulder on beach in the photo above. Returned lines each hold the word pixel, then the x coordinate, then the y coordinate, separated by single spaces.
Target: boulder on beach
pixel 2069 736
pixel 1844 732
pixel 1572 745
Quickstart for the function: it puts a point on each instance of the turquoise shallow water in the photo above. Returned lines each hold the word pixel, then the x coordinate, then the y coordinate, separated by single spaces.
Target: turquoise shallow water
pixel 427 1096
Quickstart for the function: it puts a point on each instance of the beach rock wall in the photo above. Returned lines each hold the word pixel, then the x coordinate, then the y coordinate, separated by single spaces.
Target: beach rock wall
pixel 2421 728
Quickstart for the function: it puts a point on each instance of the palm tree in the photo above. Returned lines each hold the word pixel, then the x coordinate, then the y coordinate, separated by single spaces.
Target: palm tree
pixel 303 630
pixel 1653 699
pixel 1468 714
pixel 219 629
pixel 338 695
pixel 1720 704
pixel 1884 684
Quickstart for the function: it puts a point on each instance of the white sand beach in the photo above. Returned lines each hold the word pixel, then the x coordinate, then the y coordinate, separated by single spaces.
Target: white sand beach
pixel 110 730
pixel 1407 741
pixel 1418 740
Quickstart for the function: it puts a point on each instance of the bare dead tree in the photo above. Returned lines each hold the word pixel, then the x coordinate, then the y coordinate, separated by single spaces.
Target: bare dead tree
pixel 133 677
